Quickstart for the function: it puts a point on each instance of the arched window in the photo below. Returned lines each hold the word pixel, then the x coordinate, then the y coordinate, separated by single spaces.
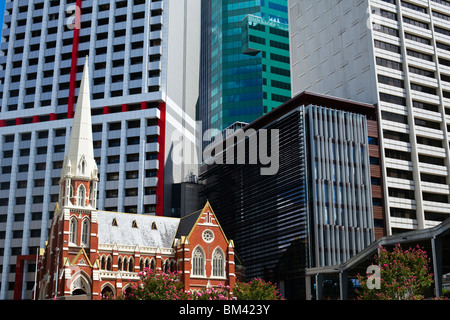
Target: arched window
pixel 119 265
pixel 80 286
pixel 173 266
pixel 81 196
pixel 107 292
pixel 103 263
pixel 198 262
pixel 125 264
pixel 152 264
pixel 83 167
pixel 218 263
pixel 85 233
pixel 109 263
pixel 127 290
pixel 131 265
pixel 73 231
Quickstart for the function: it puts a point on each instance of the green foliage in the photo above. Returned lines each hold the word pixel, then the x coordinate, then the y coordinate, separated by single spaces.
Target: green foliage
pixel 446 293
pixel 257 289
pixel 405 275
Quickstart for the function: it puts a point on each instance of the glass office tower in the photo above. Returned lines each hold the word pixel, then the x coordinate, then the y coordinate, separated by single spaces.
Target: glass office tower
pixel 245 69
pixel 142 90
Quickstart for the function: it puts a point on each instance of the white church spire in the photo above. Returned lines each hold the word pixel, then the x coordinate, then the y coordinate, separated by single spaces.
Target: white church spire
pixel 79 160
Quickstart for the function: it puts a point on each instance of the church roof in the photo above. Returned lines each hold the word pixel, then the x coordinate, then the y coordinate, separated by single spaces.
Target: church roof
pixel 145 230
pixel 136 229
pixel 187 223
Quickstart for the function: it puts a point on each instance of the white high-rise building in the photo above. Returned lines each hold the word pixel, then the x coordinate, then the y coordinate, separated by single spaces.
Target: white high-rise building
pixel 395 54
pixel 144 66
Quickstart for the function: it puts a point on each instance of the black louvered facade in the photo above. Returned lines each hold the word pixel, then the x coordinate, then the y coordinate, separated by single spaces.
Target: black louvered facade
pixel 317 209
pixel 264 214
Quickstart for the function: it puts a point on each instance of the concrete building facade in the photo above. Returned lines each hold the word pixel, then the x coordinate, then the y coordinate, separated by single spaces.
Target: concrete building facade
pixel 394 54
pixel 142 90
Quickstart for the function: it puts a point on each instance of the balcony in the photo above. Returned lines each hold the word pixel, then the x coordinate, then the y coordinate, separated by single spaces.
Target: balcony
pixel 435 188
pixel 432 169
pixel 403 223
pixel 126 275
pixel 432 151
pixel 436 207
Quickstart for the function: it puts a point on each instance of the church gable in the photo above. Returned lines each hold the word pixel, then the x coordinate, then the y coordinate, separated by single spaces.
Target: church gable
pixel 81 259
pixel 206 228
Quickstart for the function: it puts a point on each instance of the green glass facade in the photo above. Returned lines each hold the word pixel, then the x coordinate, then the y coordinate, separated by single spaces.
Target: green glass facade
pixel 245 60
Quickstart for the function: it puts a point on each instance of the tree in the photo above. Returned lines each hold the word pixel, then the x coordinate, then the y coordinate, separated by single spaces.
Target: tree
pixel 257 289
pixel 404 275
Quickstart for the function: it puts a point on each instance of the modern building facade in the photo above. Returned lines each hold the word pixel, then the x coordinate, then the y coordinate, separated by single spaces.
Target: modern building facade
pixel 339 184
pixel 318 209
pixel 142 90
pixel 395 54
pixel 245 69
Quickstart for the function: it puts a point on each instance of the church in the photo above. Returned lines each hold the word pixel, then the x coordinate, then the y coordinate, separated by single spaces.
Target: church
pixel 91 253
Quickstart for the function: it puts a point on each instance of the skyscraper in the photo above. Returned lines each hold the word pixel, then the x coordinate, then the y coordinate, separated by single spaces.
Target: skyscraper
pixel 396 54
pixel 143 63
pixel 245 60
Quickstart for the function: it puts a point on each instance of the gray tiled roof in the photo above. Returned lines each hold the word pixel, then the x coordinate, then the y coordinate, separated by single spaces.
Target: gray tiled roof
pixel 143 235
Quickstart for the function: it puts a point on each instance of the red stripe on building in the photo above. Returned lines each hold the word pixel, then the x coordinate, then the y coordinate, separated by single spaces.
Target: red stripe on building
pixel 161 160
pixel 18 283
pixel 74 67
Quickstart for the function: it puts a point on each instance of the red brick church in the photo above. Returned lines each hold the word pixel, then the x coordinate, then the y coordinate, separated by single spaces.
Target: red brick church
pixel 90 252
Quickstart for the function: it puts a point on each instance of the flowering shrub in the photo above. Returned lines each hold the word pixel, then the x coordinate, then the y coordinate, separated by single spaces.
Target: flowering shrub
pixel 257 289
pixel 405 274
pixel 220 293
pixel 156 286
pixel 166 286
